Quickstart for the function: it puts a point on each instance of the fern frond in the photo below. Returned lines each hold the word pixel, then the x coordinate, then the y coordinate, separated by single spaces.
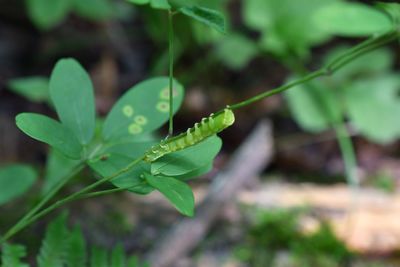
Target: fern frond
pixel 118 257
pixel 52 252
pixel 76 249
pixel 98 257
pixel 11 256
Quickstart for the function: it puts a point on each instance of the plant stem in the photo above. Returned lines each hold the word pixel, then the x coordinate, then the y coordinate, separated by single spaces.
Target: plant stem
pixel 348 154
pixel 106 192
pixel 361 49
pixel 171 71
pixel 43 202
pixel 22 224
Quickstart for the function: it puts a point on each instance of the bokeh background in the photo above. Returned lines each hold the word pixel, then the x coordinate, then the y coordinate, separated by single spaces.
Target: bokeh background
pixel 302 209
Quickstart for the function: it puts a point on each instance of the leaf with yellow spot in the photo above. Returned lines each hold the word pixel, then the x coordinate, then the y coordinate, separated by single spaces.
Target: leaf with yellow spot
pixel 142 109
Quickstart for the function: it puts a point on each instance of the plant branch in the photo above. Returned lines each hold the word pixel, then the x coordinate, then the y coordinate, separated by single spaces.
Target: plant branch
pixel 18 227
pixel 361 49
pixel 43 202
pixel 171 71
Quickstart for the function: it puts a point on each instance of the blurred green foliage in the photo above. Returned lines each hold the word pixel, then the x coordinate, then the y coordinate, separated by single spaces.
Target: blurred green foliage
pixel 279 231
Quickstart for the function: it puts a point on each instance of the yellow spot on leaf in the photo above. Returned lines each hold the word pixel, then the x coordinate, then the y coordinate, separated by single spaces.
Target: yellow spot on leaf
pixel 164 94
pixel 127 110
pixel 135 128
pixel 163 106
pixel 141 120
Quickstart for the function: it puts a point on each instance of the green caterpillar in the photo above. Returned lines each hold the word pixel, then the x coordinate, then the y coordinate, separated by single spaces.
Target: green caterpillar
pixel 206 128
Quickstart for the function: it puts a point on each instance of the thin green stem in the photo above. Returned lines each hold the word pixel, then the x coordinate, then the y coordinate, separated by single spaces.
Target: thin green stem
pixel 171 71
pixel 106 192
pixel 348 154
pixel 338 124
pixel 15 229
pixel 361 49
pixel 280 89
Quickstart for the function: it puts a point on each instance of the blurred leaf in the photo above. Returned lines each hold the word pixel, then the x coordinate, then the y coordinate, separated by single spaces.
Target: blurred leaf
pixel 52 251
pixel 374 107
pixel 133 262
pixel 351 19
pixel 110 164
pixel 139 2
pixel 382 59
pixel 142 109
pixel 209 17
pixel 15 180
pixel 181 3
pixel 98 257
pixel 118 257
pixel 35 89
pixel 257 14
pixel 393 9
pixel 160 4
pixel 57 167
pixel 286 26
pixel 49 131
pixel 71 91
pixel 236 51
pixel 76 249
pixel 94 9
pixel 11 256
pixel 313 107
pixel 177 192
pixel 47 14
pixel 189 159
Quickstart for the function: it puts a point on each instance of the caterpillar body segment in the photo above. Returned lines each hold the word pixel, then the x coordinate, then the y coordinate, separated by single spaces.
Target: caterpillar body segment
pixel 200 131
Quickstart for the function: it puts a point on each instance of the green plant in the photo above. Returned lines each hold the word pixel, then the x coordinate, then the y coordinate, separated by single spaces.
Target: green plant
pixel 48 14
pixel 279 230
pixel 62 246
pixel 116 150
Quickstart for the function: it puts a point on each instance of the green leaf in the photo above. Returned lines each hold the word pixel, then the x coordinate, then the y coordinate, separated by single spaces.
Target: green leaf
pixel 72 94
pixel 178 193
pixel 118 257
pixel 139 2
pixel 98 257
pixel 57 167
pixel 96 10
pixel 35 89
pixel 12 254
pixel 133 261
pixel 286 26
pixel 351 19
pixel 76 249
pixel 314 108
pixel 196 173
pixel 236 51
pixel 189 159
pixel 374 107
pixel 52 251
pixel 51 132
pixel 47 14
pixel 132 150
pixel 160 4
pixel 15 180
pixel 110 164
pixel 209 17
pixel 142 109
pixel 176 4
pixel 393 9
